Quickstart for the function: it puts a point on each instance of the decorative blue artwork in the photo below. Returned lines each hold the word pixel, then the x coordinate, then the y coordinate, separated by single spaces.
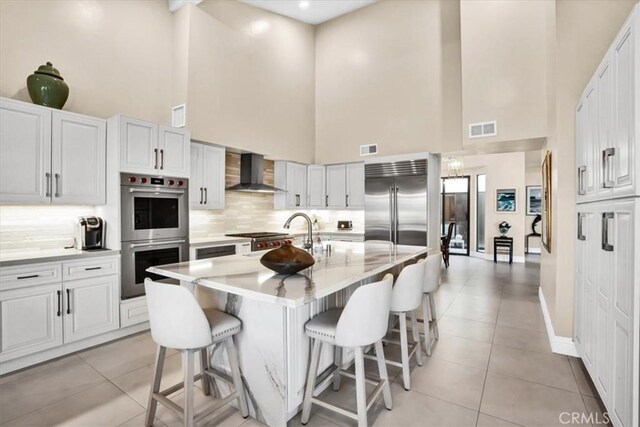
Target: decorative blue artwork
pixel 534 200
pixel 506 200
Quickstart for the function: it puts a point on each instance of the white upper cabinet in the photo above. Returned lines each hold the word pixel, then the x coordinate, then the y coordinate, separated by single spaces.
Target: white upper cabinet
pixel 625 162
pixel 51 156
pixel 292 178
pixel 607 123
pixel 207 183
pixel 148 148
pixel 174 146
pixel 25 153
pixel 78 159
pixel 336 187
pixel 355 186
pixel 316 180
pixel 138 146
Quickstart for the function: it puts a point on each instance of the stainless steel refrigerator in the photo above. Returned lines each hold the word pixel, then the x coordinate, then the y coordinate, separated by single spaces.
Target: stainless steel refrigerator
pixel 396 202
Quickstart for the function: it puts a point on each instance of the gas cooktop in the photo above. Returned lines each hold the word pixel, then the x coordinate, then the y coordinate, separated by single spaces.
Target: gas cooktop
pixel 265 240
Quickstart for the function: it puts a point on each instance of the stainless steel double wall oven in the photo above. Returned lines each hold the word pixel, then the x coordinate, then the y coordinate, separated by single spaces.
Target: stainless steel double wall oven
pixel 154 226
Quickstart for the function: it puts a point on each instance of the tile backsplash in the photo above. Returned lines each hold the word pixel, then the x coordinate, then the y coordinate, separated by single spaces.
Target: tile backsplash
pixel 39 227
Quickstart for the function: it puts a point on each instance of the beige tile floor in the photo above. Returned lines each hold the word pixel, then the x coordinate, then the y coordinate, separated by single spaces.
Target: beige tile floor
pixel 492 367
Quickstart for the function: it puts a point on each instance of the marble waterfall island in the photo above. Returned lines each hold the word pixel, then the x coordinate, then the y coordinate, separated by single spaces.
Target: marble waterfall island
pixel 273 348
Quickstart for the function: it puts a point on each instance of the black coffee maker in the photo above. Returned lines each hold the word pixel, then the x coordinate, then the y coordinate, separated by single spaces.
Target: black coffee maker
pixel 91 233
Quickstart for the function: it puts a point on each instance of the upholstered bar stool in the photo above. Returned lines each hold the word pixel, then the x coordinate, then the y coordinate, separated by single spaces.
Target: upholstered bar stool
pixel 431 283
pixel 361 323
pixel 405 300
pixel 177 321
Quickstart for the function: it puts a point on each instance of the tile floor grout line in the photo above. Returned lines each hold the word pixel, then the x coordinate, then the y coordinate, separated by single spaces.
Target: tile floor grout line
pixel 486 374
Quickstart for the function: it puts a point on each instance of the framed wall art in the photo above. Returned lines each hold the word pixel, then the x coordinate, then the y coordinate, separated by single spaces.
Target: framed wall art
pixel 506 200
pixel 534 200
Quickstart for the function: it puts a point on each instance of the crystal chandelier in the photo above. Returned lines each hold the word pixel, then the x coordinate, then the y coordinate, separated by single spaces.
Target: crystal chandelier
pixel 455 167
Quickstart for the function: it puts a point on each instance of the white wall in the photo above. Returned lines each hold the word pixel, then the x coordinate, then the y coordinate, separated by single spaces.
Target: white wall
pixel 114 55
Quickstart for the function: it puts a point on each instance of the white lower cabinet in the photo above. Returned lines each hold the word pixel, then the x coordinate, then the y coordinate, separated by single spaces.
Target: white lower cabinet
pixel 607 302
pixel 91 307
pixel 38 316
pixel 31 320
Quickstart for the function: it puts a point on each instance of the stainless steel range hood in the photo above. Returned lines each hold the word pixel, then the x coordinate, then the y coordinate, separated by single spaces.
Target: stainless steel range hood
pixel 251 175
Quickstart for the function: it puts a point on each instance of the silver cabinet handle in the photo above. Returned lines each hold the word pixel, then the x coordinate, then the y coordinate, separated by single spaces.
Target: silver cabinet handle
pixel 144 245
pixel 395 214
pixel 57 193
pixel 48 190
pixel 581 189
pixel 607 154
pixel 161 159
pixel 346 200
pixel 326 201
pixel 155 154
pixel 201 190
pixel 155 191
pixel 580 235
pixel 606 216
pixel 206 197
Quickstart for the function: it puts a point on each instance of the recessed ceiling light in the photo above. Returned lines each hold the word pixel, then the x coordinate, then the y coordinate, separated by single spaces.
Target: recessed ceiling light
pixel 303 4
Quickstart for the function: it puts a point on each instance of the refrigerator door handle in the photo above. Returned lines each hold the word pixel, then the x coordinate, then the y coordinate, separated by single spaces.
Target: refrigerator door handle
pixel 391 211
pixel 395 215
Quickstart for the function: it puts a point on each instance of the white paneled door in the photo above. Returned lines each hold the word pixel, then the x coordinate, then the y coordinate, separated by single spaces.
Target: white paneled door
pixel 174 152
pixel 138 146
pixel 78 159
pixel 336 187
pixel 355 186
pixel 25 153
pixel 213 177
pixel 316 181
pixel 31 320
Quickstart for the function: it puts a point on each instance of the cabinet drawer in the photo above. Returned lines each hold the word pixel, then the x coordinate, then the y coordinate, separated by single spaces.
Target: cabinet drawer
pixel 93 267
pixel 29 275
pixel 133 311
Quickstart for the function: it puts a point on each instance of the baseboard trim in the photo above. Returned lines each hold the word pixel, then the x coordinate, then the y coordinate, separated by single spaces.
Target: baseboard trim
pixel 559 344
pixel 489 257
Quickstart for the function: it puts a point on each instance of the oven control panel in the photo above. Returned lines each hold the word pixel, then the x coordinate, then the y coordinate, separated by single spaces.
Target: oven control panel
pixel 137 180
pixel 272 244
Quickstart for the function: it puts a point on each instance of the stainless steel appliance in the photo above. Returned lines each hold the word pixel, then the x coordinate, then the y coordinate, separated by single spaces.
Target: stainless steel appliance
pixel 396 202
pixel 265 240
pixel 138 256
pixel 215 251
pixel 155 227
pixel 90 232
pixel 153 207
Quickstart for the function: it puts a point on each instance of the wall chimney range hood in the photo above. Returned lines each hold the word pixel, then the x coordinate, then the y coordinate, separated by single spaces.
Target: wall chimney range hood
pixel 251 175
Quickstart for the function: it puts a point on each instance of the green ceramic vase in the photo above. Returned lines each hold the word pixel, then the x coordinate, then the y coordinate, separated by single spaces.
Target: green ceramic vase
pixel 47 87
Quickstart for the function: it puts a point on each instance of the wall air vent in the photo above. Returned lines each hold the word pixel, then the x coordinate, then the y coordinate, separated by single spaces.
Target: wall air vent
pixel 367 150
pixel 481 130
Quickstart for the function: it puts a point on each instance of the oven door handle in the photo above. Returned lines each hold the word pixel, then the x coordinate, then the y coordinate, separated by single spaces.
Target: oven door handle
pixel 148 190
pixel 144 245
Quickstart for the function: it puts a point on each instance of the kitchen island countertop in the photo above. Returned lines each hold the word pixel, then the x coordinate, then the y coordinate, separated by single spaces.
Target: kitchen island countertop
pixel 243 275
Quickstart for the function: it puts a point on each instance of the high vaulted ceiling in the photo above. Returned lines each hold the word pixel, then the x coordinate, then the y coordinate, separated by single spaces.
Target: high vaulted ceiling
pixel 310 11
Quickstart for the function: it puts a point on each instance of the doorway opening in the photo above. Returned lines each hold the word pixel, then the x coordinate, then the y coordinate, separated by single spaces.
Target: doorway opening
pixel 455 208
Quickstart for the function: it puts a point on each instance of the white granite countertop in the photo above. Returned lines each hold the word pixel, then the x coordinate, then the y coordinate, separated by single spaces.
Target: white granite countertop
pixel 33 256
pixel 243 275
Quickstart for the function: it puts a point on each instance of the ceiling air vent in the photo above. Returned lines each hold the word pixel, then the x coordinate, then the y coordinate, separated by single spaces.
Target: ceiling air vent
pixel 367 150
pixel 480 130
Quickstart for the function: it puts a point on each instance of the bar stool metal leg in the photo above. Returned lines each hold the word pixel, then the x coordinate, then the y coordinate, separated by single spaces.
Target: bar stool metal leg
pixel 432 307
pixel 337 358
pixel 404 349
pixel 426 313
pixel 204 366
pixel 361 392
pixel 155 386
pixel 187 367
pixel 416 337
pixel 382 371
pixel 237 377
pixel 311 381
